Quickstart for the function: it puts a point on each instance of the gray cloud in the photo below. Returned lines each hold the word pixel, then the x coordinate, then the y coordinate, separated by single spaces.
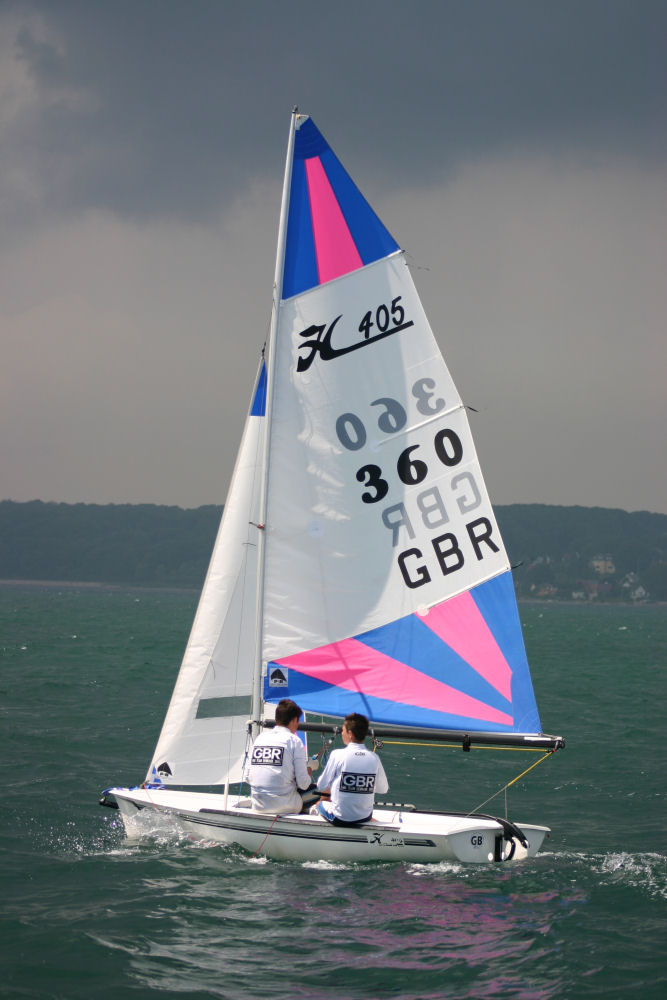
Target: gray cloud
pixel 146 108
pixel 516 150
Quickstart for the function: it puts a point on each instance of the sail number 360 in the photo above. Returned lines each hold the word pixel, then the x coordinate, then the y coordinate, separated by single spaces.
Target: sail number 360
pixel 392 418
pixel 411 470
pixel 410 467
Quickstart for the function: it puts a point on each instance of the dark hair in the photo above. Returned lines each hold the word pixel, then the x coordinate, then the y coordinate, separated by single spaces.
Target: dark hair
pixel 286 710
pixel 358 725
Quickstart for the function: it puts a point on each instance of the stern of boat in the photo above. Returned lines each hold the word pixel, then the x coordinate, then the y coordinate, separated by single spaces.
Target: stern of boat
pixel 493 846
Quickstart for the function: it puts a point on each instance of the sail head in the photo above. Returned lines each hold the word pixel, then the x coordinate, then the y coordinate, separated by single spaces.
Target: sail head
pixel 331 228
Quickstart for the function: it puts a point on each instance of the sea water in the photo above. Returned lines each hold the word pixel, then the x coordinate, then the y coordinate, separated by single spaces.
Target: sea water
pixel 86 675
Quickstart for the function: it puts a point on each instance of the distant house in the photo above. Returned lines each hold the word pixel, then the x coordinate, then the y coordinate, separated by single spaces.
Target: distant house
pixel 603 565
pixel 633 588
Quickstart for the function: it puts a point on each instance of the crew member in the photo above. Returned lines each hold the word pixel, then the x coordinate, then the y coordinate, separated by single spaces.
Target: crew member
pixel 352 776
pixel 278 767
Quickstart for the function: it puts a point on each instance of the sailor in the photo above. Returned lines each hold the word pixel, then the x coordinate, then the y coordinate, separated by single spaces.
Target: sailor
pixel 278 767
pixel 351 777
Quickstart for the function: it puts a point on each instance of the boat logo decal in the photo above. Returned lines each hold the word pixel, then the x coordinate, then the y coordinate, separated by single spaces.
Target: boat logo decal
pixel 278 677
pixel 385 839
pixel 385 319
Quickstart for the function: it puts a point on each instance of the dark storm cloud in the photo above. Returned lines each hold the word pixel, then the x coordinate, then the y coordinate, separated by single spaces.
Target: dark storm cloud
pixel 515 149
pixel 176 105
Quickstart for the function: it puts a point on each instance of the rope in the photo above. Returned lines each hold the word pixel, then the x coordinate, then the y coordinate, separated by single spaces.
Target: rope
pixel 265 839
pixel 509 784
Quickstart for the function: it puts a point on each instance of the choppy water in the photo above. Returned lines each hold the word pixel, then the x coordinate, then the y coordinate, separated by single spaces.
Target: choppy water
pixel 85 679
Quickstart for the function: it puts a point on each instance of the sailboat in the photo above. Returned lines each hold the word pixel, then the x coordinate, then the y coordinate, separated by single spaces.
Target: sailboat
pixel 358 566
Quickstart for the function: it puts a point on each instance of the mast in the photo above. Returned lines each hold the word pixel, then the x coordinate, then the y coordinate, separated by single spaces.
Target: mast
pixel 270 373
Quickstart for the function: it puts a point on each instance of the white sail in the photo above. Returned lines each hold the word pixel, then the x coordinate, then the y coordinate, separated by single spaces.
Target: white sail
pixel 342 543
pixel 204 734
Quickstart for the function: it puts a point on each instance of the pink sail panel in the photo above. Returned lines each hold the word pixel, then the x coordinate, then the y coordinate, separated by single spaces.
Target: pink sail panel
pixel 335 250
pixel 356 667
pixel 460 625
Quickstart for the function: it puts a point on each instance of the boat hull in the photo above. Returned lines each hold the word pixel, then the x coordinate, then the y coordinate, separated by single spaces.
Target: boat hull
pixel 392 834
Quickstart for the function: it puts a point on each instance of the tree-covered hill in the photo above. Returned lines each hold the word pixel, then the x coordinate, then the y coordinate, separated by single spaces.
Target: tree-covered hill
pixel 143 544
pixel 582 553
pixel 565 553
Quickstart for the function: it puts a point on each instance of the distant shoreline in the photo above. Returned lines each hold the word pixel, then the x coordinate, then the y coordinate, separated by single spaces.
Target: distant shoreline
pixel 98 585
pixel 596 554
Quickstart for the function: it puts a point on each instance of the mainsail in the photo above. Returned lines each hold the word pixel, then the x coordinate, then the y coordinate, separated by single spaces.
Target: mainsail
pixel 359 565
pixel 387 588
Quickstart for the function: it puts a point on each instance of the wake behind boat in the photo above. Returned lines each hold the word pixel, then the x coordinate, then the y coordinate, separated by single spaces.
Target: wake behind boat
pixel 358 566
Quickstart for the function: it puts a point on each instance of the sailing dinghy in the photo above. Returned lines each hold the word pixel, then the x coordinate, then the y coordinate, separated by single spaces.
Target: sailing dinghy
pixel 358 566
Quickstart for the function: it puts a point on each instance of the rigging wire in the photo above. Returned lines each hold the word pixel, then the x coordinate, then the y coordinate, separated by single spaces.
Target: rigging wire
pixel 457 746
pixel 509 784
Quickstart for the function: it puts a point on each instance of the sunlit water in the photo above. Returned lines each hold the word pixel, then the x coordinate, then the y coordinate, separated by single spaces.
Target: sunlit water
pixel 86 676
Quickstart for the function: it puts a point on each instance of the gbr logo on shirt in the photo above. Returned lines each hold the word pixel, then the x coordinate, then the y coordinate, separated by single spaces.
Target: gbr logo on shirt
pixel 362 784
pixel 268 755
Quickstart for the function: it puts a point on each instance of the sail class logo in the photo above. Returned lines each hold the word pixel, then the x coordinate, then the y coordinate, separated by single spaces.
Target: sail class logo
pixel 384 321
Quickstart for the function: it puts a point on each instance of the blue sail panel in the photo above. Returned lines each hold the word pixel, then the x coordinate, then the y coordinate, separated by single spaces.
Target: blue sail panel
pixel 462 664
pixel 258 405
pixel 371 238
pixel 300 269
pixel 497 605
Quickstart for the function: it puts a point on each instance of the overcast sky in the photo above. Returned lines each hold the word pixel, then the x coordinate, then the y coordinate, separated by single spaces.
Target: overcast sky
pixel 516 149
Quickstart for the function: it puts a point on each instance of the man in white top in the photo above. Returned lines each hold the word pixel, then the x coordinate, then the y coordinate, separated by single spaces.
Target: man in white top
pixel 352 777
pixel 278 767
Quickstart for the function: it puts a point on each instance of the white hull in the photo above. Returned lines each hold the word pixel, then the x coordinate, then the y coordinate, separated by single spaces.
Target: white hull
pixel 392 835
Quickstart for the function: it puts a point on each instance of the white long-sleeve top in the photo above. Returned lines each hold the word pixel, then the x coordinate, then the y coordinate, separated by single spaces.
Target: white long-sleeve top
pixel 353 774
pixel 277 770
